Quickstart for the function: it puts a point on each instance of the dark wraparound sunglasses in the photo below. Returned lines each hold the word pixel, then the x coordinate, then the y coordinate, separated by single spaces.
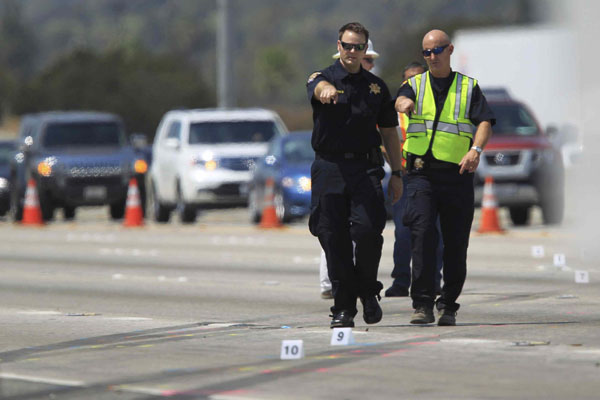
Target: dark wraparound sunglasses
pixel 350 46
pixel 435 50
pixel 369 60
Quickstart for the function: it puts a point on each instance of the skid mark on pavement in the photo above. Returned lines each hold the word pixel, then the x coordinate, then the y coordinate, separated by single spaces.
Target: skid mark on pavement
pixel 262 371
pixel 135 338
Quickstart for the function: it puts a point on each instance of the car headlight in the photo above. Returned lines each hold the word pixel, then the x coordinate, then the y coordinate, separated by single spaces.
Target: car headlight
pixel 44 168
pixel 545 156
pixel 305 184
pixel 140 166
pixel 3 183
pixel 287 182
pixel 205 160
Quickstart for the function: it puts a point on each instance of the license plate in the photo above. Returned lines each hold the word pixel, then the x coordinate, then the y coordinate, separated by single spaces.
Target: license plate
pixel 94 192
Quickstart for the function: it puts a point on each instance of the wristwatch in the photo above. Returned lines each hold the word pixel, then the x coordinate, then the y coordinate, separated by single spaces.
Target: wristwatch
pixel 397 173
pixel 477 149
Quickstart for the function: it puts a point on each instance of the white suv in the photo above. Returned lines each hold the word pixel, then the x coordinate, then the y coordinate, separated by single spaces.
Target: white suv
pixel 205 156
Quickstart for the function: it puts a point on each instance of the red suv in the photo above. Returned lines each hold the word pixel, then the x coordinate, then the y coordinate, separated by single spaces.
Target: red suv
pixel 527 170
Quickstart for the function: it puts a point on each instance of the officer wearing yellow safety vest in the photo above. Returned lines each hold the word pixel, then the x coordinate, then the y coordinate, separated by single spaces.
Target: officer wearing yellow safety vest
pixel 450 123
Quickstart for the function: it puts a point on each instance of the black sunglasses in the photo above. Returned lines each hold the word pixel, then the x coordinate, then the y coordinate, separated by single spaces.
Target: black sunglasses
pixel 436 50
pixel 350 46
pixel 369 60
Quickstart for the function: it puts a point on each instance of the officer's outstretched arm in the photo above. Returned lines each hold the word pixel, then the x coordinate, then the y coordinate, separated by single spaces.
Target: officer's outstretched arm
pixel 326 93
pixel 392 147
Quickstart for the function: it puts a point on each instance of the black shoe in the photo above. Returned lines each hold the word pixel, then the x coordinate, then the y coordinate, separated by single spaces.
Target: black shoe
pixel 396 291
pixel 446 317
pixel 372 312
pixel 343 319
pixel 422 315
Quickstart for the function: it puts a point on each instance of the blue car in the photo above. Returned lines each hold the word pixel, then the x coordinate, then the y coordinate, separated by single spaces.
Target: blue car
pixel 287 163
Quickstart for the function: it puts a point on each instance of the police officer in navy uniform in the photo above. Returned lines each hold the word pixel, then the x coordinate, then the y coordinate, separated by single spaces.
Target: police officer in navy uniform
pixel 349 103
pixel 449 125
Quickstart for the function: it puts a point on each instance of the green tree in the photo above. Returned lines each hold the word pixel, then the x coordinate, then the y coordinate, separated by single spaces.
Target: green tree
pixel 133 83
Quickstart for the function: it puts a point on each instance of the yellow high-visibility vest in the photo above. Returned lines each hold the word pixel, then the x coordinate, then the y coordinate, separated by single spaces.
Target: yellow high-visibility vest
pixel 454 133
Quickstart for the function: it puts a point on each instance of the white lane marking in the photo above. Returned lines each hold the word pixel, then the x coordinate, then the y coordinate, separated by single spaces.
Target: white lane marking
pixel 39 312
pixel 41 379
pixel 128 318
pixel 182 279
pixel 139 389
pixel 469 341
pixel 135 252
pixel 117 276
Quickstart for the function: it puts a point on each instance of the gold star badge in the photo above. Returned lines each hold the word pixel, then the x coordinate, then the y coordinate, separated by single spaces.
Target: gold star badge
pixel 375 89
pixel 419 163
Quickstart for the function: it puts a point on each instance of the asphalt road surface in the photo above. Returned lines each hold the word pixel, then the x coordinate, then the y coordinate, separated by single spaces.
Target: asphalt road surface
pixel 92 310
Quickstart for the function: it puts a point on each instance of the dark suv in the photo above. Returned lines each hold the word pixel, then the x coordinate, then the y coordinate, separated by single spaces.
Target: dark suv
pixel 76 159
pixel 527 170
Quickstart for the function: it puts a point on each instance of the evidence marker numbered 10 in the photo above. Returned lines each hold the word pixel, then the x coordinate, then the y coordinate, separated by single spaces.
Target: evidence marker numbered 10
pixel 292 349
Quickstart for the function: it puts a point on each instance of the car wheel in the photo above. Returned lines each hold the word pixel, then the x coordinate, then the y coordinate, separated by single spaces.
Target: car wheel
pixel 281 208
pixel 16 204
pixel 47 207
pixel 69 213
pixel 553 209
pixel 519 215
pixel 117 210
pixel 253 206
pixel 162 213
pixel 187 212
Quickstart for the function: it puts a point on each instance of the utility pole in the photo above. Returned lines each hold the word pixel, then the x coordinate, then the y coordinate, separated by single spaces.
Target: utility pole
pixel 225 82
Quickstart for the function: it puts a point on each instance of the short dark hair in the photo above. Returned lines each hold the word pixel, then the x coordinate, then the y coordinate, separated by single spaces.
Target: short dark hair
pixel 411 65
pixel 355 27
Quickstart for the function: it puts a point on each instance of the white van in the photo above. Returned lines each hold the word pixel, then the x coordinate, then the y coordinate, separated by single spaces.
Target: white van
pixel 205 156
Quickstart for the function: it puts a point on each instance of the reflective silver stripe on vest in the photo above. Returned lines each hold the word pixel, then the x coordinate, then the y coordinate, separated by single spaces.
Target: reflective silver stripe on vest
pixel 458 96
pixel 469 93
pixel 416 127
pixel 413 84
pixel 448 128
pixel 422 92
pixel 468 128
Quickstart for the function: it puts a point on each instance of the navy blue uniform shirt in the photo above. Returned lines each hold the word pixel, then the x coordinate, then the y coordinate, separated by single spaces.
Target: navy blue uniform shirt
pixel 350 125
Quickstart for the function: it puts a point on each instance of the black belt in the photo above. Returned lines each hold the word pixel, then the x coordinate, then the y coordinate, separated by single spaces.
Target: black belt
pixel 341 156
pixel 420 163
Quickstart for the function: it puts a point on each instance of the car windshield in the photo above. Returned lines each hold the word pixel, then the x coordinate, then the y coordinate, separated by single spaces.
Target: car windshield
pixel 83 134
pixel 7 150
pixel 214 132
pixel 298 149
pixel 513 119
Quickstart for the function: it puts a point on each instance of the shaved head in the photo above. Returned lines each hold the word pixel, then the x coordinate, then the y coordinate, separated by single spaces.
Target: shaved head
pixel 436 35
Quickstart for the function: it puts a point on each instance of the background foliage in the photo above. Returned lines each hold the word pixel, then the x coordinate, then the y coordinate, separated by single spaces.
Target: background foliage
pixel 141 57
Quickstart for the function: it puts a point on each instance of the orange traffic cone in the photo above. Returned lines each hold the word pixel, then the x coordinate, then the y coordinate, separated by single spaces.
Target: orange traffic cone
pixel 489 209
pixel 134 216
pixel 32 213
pixel 269 215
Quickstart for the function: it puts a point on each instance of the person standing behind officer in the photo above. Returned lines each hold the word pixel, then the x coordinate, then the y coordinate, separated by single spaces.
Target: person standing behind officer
pixel 368 63
pixel 347 203
pixel 442 152
pixel 402 253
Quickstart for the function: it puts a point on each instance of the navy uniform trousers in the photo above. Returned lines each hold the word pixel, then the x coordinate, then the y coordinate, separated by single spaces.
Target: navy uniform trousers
pixel 450 195
pixel 347 205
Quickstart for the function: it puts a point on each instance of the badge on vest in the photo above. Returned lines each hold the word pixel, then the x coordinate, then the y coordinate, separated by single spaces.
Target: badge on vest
pixel 375 89
pixel 419 163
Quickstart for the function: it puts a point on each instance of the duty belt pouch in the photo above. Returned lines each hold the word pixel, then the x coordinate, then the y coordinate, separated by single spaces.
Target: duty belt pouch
pixel 376 157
